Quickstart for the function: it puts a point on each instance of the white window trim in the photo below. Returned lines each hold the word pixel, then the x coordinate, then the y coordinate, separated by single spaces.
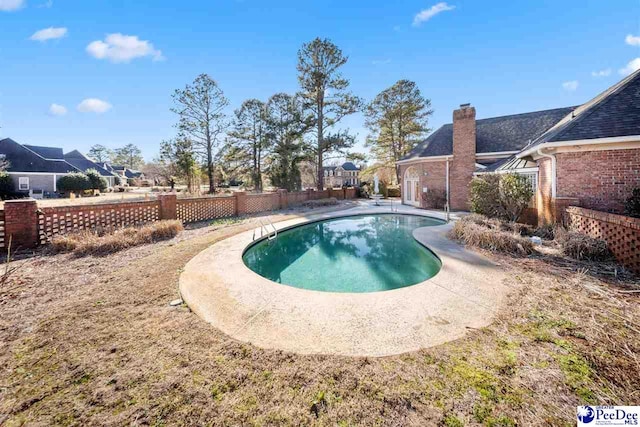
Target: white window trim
pixel 21 180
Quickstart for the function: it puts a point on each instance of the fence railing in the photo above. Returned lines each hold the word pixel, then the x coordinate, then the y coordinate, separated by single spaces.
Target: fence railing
pixel 622 233
pixel 30 225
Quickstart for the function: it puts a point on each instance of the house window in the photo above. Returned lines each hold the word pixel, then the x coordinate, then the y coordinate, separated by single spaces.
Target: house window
pixel 532 180
pixel 339 173
pixel 23 183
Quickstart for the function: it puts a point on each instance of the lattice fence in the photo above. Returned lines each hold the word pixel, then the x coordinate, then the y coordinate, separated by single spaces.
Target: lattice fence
pixel 59 220
pixel 205 208
pixel 621 233
pixel 296 198
pixel 2 242
pixel 262 202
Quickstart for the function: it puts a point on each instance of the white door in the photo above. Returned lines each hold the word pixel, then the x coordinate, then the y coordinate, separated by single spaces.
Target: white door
pixel 412 187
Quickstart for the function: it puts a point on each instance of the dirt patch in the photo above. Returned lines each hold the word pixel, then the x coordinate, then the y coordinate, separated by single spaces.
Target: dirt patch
pixel 93 341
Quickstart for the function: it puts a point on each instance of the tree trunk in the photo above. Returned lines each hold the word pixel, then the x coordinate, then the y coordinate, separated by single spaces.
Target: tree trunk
pixel 210 170
pixel 320 184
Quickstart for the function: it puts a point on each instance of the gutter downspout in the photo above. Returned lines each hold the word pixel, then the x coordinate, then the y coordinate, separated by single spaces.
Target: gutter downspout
pixel 447 187
pixel 553 171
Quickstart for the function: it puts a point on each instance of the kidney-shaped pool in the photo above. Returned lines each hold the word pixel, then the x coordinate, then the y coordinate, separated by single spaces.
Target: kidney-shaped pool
pixel 364 253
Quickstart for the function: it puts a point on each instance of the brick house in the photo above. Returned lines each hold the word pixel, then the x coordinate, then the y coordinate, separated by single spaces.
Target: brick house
pixel 587 155
pixel 344 175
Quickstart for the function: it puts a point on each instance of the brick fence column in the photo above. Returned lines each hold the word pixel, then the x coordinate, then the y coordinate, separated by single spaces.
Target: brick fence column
pixel 241 202
pixel 284 200
pixel 168 206
pixel 21 223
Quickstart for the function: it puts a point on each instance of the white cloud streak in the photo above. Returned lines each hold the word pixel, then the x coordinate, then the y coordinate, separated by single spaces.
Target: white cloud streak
pixel 122 48
pixel 49 34
pixel 57 110
pixel 632 40
pixel 426 14
pixel 632 66
pixel 570 85
pixel 11 5
pixel 601 73
pixel 94 105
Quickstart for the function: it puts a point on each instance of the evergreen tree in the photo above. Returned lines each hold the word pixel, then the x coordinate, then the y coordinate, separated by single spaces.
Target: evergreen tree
pixel 397 119
pixel 128 156
pixel 324 94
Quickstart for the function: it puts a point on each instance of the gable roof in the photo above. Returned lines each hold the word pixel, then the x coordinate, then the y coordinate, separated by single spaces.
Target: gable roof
pixel 496 134
pixel 49 153
pixel 23 159
pixel 83 163
pixel 613 113
pixel 349 166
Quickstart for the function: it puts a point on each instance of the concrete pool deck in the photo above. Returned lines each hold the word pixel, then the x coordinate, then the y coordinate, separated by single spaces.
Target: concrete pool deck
pixel 466 293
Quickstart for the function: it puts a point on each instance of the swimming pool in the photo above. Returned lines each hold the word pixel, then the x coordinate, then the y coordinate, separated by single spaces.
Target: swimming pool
pixel 364 253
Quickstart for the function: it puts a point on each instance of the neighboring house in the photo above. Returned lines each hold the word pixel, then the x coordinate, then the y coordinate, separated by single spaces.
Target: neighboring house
pixel 124 172
pixel 346 174
pixel 33 169
pixel 83 164
pixel 587 155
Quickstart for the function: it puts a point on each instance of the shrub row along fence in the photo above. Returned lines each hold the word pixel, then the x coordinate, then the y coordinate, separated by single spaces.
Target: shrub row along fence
pixel 30 226
pixel 621 233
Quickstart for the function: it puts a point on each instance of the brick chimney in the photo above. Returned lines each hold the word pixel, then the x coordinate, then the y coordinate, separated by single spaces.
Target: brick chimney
pixel 464 156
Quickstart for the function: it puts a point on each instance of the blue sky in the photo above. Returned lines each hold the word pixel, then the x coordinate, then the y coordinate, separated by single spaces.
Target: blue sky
pixel 502 56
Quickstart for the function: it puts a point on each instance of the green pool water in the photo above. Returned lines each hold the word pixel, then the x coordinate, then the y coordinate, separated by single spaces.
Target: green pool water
pixel 365 253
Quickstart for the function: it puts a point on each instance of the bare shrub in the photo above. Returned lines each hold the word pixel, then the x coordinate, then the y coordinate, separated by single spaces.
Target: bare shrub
pixel 488 234
pixel 582 247
pixel 435 198
pixel 321 202
pixel 107 241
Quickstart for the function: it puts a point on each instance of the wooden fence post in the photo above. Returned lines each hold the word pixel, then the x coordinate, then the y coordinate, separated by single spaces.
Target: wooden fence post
pixel 284 199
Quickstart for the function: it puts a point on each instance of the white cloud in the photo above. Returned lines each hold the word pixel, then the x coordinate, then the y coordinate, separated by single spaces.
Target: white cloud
pixel 49 33
pixel 57 110
pixel 426 14
pixel 121 48
pixel 9 5
pixel 94 105
pixel 632 40
pixel 601 73
pixel 570 86
pixel 632 66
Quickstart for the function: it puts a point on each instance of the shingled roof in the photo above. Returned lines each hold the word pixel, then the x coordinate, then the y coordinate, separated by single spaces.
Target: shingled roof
pixel 613 113
pixel 49 153
pixel 83 163
pixel 22 159
pixel 496 134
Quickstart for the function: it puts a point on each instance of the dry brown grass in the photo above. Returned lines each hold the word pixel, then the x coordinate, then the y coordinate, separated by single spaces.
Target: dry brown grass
pixel 90 341
pixel 582 247
pixel 494 235
pixel 332 201
pixel 108 241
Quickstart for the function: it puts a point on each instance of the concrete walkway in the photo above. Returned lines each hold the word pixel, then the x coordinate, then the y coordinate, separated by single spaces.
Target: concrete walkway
pixel 465 293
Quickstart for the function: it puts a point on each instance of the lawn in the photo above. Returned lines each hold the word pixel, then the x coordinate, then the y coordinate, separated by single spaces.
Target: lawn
pixel 94 341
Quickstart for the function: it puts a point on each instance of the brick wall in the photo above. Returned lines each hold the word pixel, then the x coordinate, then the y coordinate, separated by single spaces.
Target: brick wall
pixel 464 156
pixel 28 225
pixel 621 233
pixel 601 180
pixel 432 176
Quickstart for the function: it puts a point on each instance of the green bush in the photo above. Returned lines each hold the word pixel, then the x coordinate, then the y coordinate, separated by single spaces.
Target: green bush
pixel 503 196
pixel 96 180
pixel 632 206
pixel 6 185
pixel 74 182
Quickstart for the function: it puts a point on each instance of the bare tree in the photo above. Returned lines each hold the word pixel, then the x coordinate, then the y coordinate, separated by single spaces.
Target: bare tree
pixel 200 107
